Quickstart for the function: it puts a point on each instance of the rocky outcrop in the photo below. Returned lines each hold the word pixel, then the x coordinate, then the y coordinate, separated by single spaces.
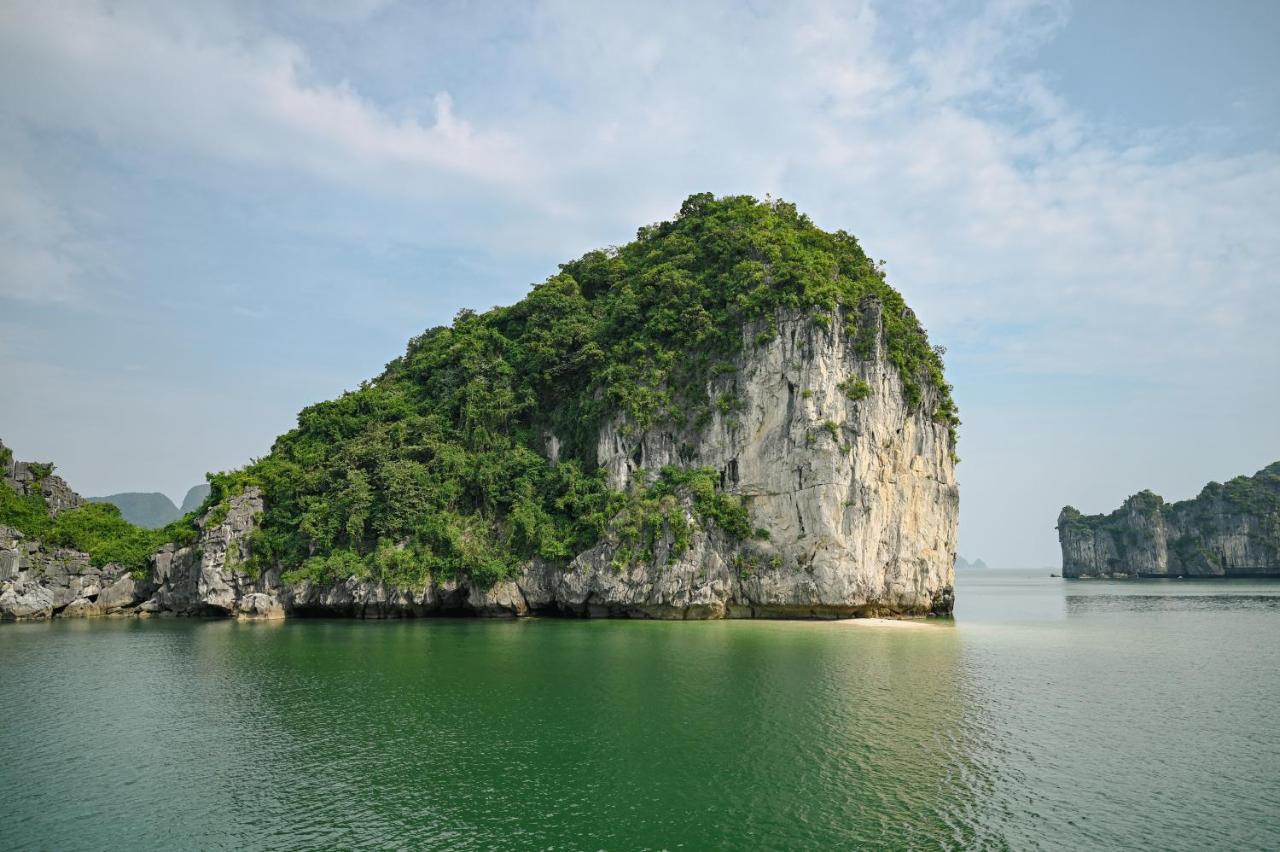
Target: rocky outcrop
pixel 855 488
pixel 1229 530
pixel 211 576
pixel 207 578
pixel 39 582
pixel 28 478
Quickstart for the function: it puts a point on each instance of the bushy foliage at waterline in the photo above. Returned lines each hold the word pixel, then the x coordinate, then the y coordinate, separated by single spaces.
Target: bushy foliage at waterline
pixel 440 465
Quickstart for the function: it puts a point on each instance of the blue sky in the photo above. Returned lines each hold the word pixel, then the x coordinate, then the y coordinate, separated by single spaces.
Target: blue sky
pixel 214 214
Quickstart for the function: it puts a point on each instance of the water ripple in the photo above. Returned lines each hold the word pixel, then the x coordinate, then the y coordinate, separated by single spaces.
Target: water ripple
pixel 1097 731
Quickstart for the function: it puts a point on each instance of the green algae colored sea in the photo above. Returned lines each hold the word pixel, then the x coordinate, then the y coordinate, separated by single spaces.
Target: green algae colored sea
pixel 1048 714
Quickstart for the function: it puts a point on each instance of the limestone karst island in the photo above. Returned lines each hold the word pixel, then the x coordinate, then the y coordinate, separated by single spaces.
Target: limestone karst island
pixel 732 416
pixel 1229 529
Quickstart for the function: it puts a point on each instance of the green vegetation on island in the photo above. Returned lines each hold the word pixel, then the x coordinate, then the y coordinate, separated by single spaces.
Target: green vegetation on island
pixel 439 466
pixel 97 529
pixel 1257 495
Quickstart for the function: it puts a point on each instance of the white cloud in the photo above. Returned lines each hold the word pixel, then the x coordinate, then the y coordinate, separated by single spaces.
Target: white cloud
pixel 995 203
pixel 40 253
pixel 992 199
pixel 133 78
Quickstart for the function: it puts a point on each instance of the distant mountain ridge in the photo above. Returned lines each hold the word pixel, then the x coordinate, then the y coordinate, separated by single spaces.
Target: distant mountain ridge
pixel 152 509
pixel 195 496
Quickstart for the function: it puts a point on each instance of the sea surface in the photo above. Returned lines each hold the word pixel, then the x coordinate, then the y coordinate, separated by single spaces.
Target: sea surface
pixel 1049 714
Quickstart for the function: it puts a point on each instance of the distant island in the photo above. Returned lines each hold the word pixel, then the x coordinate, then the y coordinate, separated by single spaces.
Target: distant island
pixel 734 415
pixel 153 509
pixel 963 564
pixel 1230 529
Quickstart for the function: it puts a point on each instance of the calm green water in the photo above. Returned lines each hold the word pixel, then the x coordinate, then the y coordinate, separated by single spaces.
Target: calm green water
pixel 1048 715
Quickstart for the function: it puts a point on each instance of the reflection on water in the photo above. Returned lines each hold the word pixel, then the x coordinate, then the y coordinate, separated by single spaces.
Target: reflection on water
pixel 1140 717
pixel 474 733
pixel 1081 604
pixel 997 596
pixel 1048 714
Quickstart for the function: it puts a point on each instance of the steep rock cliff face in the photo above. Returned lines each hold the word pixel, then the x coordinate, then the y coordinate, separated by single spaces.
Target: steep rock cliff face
pixel 209 578
pixel 858 496
pixel 1230 529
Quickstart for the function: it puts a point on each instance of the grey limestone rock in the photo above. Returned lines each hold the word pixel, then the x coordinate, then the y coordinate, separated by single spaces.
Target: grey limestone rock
pixel 211 577
pixel 39 582
pixel 859 496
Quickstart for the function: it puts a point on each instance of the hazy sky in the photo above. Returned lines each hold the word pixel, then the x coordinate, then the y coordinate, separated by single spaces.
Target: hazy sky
pixel 214 215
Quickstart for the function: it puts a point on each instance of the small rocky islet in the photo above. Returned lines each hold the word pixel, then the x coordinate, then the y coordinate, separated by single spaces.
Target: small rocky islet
pixel 1229 529
pixel 733 415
